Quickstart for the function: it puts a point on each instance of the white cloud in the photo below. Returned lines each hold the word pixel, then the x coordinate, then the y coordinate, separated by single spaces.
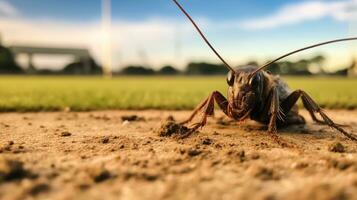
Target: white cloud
pixel 305 11
pixel 7 9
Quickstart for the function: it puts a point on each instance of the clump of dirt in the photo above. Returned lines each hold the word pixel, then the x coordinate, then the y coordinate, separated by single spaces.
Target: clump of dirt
pixel 66 134
pixel 39 188
pixel 337 147
pixel 264 173
pixel 99 174
pixel 105 140
pixel 255 156
pixel 12 170
pixel 102 176
pixel 193 152
pixel 6 148
pixel 340 164
pixel 170 128
pixel 237 154
pixel 11 148
pixel 141 175
pixel 207 141
pixel 132 118
pixel 300 165
pixel 100 117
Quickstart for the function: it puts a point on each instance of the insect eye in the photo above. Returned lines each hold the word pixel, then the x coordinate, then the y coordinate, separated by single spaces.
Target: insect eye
pixel 230 78
pixel 254 81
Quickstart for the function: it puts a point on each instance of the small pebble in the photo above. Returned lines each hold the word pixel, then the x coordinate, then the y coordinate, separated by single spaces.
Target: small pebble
pixel 102 176
pixel 66 134
pixel 207 141
pixel 125 123
pixel 105 140
pixel 194 152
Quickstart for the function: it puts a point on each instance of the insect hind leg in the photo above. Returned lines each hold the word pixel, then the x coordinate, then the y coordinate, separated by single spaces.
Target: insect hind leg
pixel 314 109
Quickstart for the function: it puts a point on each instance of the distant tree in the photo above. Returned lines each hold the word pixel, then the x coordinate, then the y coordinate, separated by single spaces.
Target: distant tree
pixel 7 62
pixel 294 68
pixel 319 59
pixel 346 70
pixel 342 72
pixel 285 67
pixel 168 70
pixel 318 62
pixel 137 70
pixel 301 67
pixel 205 69
pixel 82 67
pixel 274 68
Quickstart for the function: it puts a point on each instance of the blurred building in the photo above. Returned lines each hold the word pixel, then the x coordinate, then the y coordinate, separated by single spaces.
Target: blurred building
pixel 83 64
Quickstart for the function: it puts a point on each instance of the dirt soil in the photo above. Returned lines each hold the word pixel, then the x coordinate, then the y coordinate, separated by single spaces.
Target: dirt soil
pixel 97 155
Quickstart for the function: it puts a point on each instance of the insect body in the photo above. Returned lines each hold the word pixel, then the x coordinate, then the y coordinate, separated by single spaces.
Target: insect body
pixel 256 94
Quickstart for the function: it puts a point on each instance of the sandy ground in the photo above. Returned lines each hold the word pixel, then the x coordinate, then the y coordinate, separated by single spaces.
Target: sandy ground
pixel 95 155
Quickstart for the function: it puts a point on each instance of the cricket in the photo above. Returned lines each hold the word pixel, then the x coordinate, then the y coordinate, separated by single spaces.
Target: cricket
pixel 178 99
pixel 261 96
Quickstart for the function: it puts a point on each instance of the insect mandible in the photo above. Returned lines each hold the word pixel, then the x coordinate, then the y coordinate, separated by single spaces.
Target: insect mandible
pixel 256 94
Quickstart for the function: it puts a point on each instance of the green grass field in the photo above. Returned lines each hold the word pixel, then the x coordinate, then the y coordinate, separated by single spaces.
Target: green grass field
pixel 50 93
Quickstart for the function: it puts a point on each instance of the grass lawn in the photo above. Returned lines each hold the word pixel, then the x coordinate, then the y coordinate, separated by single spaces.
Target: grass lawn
pixel 49 93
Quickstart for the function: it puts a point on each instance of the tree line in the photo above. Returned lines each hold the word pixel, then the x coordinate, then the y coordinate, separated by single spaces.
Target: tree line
pixel 307 66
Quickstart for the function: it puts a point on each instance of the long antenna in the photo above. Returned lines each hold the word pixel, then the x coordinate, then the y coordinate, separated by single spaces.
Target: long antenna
pixel 203 36
pixel 302 49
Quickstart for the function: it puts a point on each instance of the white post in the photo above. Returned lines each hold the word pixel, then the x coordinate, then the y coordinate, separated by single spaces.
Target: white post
pixel 106 37
pixel 352 31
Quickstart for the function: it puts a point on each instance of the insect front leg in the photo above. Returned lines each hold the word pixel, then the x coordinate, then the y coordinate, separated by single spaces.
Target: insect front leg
pixel 275 113
pixel 206 108
pixel 313 108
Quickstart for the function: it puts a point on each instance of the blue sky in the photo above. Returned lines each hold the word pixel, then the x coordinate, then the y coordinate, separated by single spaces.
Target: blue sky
pixel 142 9
pixel 156 33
